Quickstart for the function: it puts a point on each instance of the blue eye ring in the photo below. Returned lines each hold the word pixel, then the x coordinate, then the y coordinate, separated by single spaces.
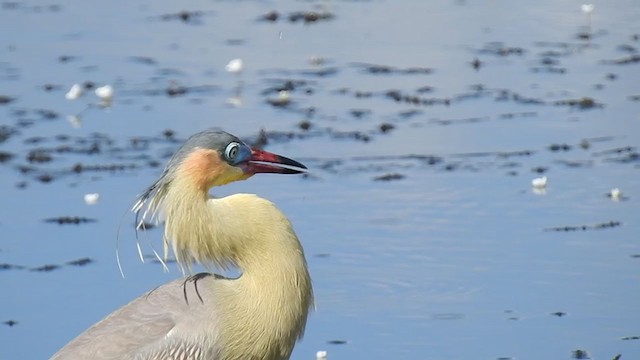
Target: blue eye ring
pixel 231 151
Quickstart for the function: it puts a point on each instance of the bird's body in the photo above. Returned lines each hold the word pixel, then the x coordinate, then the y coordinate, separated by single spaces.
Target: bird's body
pixel 258 315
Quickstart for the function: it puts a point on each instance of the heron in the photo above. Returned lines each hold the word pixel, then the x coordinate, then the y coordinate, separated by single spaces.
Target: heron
pixel 259 314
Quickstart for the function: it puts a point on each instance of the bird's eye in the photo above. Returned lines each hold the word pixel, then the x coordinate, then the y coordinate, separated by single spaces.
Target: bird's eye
pixel 231 150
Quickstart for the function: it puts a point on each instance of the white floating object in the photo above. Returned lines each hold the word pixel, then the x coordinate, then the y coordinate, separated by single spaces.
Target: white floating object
pixel 283 96
pixel 539 183
pixel 234 66
pixel 105 92
pixel 316 60
pixel 75 121
pixel 235 101
pixel 74 92
pixel 615 194
pixel 587 8
pixel 91 198
pixel 321 355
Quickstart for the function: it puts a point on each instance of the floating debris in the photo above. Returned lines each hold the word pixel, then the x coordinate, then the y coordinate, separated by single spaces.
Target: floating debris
pixel 65 220
pixel 386 69
pixel 305 125
pixel 559 147
pixel 188 17
pixel 584 103
pixel 46 268
pixel 539 183
pixel 476 63
pixel 337 342
pixel 386 127
pixel 6 99
pixel 398 96
pixel 587 8
pixel 5 156
pixel 143 60
pixel 282 100
pixel 10 267
pixel 44 178
pixel 576 163
pixel 499 49
pixel 271 16
pixel 559 313
pixel 321 355
pixel 78 168
pixel 39 156
pixel 105 94
pixel 446 122
pixel 628 158
pixel 580 354
pixel 632 59
pixel 74 92
pixel 47 114
pixel 80 262
pixel 6 132
pixel 601 226
pixel 310 16
pixel 234 66
pixel 91 198
pixel 615 194
pixel 389 177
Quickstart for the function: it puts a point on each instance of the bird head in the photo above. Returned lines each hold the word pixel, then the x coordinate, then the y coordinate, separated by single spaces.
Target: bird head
pixel 214 158
pixel 211 158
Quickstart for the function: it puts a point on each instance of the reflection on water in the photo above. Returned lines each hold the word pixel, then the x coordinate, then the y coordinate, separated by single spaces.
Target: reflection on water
pixel 423 125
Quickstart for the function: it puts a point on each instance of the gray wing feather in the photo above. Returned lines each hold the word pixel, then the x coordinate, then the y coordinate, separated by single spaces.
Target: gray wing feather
pixel 152 327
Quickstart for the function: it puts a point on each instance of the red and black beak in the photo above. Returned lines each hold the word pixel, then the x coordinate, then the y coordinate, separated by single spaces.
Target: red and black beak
pixel 262 161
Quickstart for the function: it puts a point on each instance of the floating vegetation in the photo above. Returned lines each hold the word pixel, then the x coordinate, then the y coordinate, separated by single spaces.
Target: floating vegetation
pixel 307 17
pixel 559 147
pixel 389 177
pixel 6 156
pixel 185 16
pixel 630 338
pixel 580 354
pixel 10 267
pixel 499 49
pixel 70 220
pixel 387 69
pixel 6 132
pixel 80 262
pixel 601 226
pixel 46 268
pixel 6 99
pixel 583 103
pixel 337 342
pixel 398 96
pixel 632 59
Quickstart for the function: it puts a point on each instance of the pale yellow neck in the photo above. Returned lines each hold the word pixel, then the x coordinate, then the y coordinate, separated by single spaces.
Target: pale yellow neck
pixel 248 232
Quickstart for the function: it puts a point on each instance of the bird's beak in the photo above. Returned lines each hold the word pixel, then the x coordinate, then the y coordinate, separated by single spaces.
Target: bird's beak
pixel 262 161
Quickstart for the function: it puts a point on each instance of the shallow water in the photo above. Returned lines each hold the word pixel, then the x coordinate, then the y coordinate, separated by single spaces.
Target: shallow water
pixel 453 256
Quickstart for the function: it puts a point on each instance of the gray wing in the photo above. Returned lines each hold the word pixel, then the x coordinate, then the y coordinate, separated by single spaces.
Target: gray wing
pixel 168 322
